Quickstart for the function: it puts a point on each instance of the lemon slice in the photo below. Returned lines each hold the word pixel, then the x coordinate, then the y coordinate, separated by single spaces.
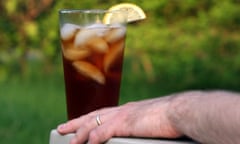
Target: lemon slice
pixel 133 12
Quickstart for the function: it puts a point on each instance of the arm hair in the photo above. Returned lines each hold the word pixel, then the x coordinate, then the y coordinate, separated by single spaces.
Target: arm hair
pixel 211 117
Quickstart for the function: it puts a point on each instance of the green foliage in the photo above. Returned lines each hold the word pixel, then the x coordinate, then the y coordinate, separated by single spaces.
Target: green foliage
pixel 30 109
pixel 180 40
pixel 191 44
pixel 185 41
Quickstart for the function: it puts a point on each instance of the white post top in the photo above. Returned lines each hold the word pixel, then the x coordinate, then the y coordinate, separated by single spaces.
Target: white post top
pixel 56 138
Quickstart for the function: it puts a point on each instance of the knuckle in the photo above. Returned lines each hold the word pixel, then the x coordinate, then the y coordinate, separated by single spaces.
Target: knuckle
pixel 94 136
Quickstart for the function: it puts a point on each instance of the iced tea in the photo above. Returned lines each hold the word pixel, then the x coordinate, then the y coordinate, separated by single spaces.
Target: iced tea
pixel 92 61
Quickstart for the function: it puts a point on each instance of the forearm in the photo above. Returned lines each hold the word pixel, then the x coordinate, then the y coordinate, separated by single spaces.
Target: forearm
pixel 208 117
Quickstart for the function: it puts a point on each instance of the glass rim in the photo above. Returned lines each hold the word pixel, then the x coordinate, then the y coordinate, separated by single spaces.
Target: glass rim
pixel 89 11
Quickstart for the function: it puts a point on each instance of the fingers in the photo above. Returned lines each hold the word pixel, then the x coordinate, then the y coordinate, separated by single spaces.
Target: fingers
pixel 93 132
pixel 112 126
pixel 101 134
pixel 84 131
pixel 88 126
pixel 73 125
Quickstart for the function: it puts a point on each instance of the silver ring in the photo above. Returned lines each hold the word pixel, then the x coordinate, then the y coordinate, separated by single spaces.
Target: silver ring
pixel 98 120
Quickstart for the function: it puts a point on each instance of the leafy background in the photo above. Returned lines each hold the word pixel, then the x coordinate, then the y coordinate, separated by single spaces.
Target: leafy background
pixel 182 45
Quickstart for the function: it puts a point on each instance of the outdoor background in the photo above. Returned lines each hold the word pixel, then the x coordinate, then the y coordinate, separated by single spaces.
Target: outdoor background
pixel 182 45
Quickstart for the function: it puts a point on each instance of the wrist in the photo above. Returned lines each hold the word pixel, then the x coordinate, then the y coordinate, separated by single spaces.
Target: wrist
pixel 181 110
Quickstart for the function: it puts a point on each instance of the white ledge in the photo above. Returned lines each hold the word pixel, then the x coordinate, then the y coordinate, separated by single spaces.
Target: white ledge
pixel 56 138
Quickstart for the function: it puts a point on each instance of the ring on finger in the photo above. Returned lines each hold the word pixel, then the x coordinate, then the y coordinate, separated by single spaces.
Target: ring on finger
pixel 98 120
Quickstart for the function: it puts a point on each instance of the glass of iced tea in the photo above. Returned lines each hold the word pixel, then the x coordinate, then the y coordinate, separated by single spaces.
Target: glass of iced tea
pixel 92 53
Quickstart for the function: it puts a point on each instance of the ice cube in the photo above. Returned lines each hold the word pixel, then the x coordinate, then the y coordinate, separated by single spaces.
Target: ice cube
pixel 68 30
pixel 90 71
pixel 75 54
pixel 112 56
pixel 83 36
pixel 96 25
pixel 99 28
pixel 115 34
pixel 97 44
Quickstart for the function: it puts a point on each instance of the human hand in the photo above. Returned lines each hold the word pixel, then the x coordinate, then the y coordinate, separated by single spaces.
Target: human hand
pixel 146 118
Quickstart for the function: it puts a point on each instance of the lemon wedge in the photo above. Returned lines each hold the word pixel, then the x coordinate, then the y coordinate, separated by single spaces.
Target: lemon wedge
pixel 133 12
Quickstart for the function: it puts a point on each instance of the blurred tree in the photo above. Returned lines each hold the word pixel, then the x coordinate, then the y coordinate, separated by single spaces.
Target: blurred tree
pixel 184 41
pixel 20 31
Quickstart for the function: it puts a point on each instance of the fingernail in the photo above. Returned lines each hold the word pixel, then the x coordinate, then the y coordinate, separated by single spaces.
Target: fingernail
pixel 62 126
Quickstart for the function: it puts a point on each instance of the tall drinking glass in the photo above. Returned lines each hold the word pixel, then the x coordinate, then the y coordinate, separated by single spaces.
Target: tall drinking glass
pixel 92 52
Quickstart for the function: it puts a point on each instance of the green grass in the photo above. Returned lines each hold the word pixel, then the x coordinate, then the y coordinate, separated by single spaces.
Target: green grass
pixel 30 109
